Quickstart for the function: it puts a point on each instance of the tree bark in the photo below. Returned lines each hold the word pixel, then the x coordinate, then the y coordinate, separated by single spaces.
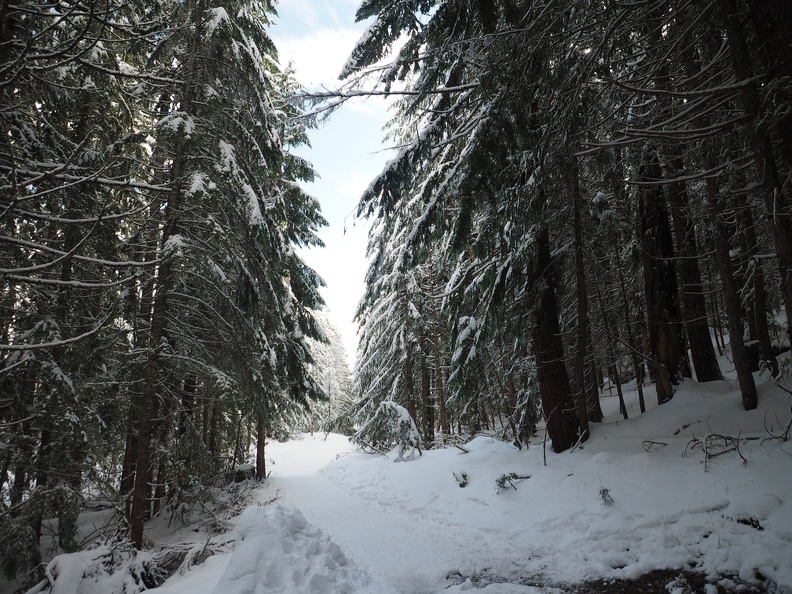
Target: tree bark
pixel 149 393
pixel 731 299
pixel 428 404
pixel 666 339
pixel 694 310
pixel 581 336
pixel 731 296
pixel 409 367
pixel 773 190
pixel 439 389
pixel 772 20
pixel 261 441
pixel 760 307
pixel 614 361
pixel 558 404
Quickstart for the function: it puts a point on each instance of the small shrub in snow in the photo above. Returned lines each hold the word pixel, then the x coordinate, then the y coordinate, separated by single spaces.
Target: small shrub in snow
pixel 112 567
pixel 391 425
pixel 461 478
pixel 505 481
pixel 605 496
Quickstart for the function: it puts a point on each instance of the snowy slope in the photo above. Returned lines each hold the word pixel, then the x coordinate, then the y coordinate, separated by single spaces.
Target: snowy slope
pixel 348 521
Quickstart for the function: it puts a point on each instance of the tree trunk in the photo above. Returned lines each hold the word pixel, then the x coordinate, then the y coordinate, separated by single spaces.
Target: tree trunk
pixel 666 340
pixel 694 310
pixel 760 307
pixel 593 382
pixel 731 294
pixel 410 381
pixel 428 404
pixel 558 404
pixel 614 367
pixel 261 441
pixel 616 176
pixel 439 390
pixel 773 190
pixel 163 449
pixel 772 20
pixel 149 394
pixel 731 298
pixel 409 368
pixel 214 446
pixel 581 336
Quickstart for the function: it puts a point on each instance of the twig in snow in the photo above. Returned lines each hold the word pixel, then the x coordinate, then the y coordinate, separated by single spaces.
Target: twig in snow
pixel 650 445
pixel 605 496
pixel 508 480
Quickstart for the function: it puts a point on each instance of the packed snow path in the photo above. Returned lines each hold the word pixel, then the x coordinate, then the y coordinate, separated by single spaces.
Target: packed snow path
pixel 403 546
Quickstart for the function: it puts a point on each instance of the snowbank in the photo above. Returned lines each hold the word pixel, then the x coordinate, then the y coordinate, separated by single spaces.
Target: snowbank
pixel 277 551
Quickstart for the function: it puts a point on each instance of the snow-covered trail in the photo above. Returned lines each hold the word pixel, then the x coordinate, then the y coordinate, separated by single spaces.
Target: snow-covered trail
pixel 347 522
pixel 409 526
pixel 405 549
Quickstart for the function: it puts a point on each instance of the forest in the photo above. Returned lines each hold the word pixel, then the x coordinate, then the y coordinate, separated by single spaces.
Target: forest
pixel 585 193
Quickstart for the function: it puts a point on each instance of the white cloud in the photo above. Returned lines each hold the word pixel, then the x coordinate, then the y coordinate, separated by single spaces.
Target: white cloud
pixel 318 58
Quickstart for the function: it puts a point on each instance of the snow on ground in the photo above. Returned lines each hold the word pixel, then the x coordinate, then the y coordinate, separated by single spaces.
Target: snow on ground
pixel 636 497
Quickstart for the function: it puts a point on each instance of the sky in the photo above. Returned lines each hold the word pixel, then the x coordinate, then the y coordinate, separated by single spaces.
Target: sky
pixel 317 36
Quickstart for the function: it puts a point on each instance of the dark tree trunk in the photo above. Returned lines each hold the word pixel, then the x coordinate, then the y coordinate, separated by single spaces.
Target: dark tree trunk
pixel 214 446
pixel 666 339
pixel 773 190
pixel 409 367
pixel 163 437
pixel 141 325
pixel 428 404
pixel 146 416
pixel 694 310
pixel 410 382
pixel 188 403
pixel 593 382
pixel 558 404
pixel 614 362
pixel 128 465
pixel 436 349
pixel 159 312
pixel 772 20
pixel 206 414
pixel 261 443
pixel 760 308
pixel 581 336
pixel 616 175
pixel 731 298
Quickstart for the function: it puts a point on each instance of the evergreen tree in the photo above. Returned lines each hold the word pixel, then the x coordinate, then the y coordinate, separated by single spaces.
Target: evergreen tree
pixel 151 295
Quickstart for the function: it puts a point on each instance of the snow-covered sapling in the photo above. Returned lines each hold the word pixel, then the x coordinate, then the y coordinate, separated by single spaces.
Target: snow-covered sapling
pixel 605 496
pixel 505 481
pixel 391 425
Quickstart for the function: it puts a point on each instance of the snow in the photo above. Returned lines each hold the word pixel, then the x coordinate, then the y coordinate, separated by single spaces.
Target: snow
pixel 277 550
pixel 178 121
pixel 127 69
pixel 345 521
pixel 217 16
pixel 174 245
pixel 640 495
